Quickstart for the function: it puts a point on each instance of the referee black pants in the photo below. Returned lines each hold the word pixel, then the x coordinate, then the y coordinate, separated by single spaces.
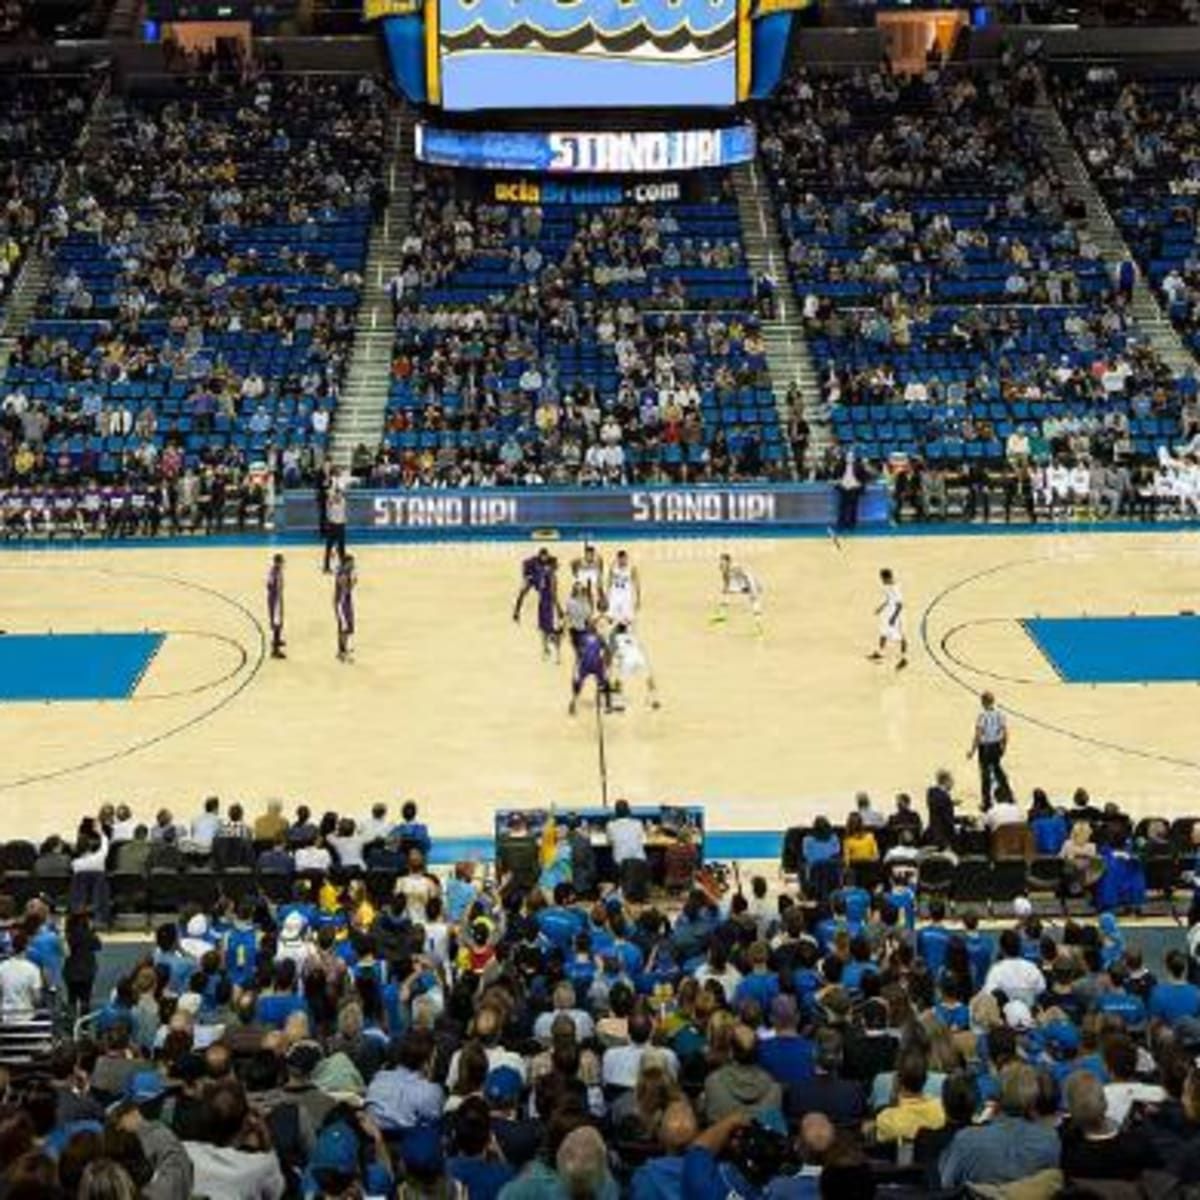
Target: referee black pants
pixel 991 772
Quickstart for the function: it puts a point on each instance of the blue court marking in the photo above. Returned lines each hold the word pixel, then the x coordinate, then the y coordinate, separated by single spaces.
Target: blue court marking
pixel 735 844
pixel 74 666
pixel 1130 649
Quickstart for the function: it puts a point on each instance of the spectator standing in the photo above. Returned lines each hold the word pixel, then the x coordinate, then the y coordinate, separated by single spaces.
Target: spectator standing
pixel 627 836
pixel 81 966
pixel 20 983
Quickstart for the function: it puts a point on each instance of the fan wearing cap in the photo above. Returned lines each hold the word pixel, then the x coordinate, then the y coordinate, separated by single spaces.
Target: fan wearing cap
pixel 517 1137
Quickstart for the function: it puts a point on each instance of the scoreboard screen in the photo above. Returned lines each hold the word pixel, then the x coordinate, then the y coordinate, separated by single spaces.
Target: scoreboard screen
pixel 494 54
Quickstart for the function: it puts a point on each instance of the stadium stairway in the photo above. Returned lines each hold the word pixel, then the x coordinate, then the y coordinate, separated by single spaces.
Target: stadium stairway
pixel 1103 230
pixel 787 350
pixel 34 273
pixel 358 419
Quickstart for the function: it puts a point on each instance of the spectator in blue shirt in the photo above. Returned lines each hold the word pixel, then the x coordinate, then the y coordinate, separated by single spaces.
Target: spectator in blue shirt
pixel 981 949
pixel 762 984
pixel 476 1162
pixel 934 940
pixel 661 1177
pixel 1174 998
pixel 402 1096
pixel 822 845
pixel 787 1057
pixel 1049 826
pixel 411 832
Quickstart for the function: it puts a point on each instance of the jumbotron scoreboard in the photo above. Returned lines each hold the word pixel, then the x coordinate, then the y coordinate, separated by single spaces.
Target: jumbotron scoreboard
pixel 470 56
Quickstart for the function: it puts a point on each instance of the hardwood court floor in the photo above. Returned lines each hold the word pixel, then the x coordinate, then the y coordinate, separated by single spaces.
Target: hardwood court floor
pixel 451 703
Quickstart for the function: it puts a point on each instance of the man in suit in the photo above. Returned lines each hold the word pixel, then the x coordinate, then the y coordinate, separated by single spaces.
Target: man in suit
pixel 941 830
pixel 850 477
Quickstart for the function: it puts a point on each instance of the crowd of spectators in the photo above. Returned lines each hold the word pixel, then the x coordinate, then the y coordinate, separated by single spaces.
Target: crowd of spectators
pixel 208 260
pixel 591 344
pixel 459 1037
pixel 41 117
pixel 1139 140
pixel 968 334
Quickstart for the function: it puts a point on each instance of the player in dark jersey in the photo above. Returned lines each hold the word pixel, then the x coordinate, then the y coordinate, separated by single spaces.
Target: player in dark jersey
pixel 344 583
pixel 540 574
pixel 591 662
pixel 275 606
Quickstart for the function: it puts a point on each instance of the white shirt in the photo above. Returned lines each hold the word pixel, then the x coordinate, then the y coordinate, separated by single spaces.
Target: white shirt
pixel 349 849
pixel 1017 979
pixel 416 890
pixel 374 830
pixel 627 836
pixel 1121 1097
pixel 620 1065
pixel 584 1029
pixel 497 1056
pixel 313 858
pixel 20 987
pixel 95 861
pixel 1004 814
pixel 122 831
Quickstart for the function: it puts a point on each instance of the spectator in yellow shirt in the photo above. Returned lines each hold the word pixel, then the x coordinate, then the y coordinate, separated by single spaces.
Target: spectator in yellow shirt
pixel 858 844
pixel 913 1110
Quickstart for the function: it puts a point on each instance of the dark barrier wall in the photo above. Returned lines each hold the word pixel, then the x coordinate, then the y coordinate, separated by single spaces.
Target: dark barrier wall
pixel 484 512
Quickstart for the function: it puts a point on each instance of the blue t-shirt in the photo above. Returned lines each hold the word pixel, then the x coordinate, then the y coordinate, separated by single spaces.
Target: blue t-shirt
pixel 786 1059
pixel 763 987
pixel 704 1178
pixel 482 1179
pixel 932 944
pixel 45 950
pixel 275 1008
pixel 241 955
pixel 1171 1002
pixel 1129 1008
pixel 1049 834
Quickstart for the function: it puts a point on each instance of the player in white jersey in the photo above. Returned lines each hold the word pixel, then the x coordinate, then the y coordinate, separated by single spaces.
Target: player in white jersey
pixel 736 580
pixel 891 619
pixel 629 659
pixel 589 571
pixel 624 597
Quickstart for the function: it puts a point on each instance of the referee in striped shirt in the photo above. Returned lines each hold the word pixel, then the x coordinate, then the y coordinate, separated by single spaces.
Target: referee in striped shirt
pixel 990 742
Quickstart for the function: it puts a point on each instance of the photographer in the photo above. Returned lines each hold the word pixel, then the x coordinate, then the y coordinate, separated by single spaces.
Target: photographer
pixel 736 1157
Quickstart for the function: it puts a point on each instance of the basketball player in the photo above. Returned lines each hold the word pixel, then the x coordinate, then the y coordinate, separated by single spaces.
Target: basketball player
pixel 624 598
pixel 578 614
pixel 736 580
pixel 589 571
pixel 344 583
pixel 629 659
pixel 540 574
pixel 335 521
pixel 592 662
pixel 275 606
pixel 891 619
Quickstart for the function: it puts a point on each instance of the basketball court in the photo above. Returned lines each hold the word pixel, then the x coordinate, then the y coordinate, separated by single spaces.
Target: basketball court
pixel 172 694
